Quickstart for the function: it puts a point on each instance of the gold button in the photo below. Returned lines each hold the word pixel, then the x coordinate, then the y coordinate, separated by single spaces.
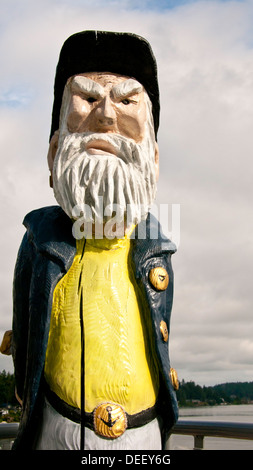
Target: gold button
pixel 164 331
pixel 5 347
pixel 159 278
pixel 174 378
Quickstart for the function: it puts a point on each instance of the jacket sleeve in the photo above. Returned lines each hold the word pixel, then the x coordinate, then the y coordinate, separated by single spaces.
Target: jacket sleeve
pixel 20 324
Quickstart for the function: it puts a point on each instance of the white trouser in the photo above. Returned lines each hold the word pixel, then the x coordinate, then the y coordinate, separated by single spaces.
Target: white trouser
pixel 59 433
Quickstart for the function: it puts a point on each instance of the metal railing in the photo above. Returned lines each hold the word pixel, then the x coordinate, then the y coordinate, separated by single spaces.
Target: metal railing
pixel 198 429
pixel 8 432
pixel 201 429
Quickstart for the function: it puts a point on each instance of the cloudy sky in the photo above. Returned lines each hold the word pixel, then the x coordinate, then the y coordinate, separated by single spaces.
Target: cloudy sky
pixel 204 51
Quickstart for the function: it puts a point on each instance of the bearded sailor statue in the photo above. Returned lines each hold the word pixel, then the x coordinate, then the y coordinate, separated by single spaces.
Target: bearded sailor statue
pixel 93 284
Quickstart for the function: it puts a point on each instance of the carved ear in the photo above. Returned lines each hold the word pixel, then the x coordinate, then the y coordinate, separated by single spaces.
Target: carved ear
pixel 157 161
pixel 51 155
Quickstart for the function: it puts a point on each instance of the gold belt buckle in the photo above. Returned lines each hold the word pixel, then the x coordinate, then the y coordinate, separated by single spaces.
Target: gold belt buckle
pixel 109 420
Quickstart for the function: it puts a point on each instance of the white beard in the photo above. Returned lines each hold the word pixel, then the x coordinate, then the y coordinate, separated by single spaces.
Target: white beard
pixel 97 186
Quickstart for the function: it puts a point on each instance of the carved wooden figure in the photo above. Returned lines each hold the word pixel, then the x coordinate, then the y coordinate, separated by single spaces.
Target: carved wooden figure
pixel 93 288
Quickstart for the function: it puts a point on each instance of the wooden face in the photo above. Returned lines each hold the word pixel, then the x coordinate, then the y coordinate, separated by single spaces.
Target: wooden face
pixel 103 102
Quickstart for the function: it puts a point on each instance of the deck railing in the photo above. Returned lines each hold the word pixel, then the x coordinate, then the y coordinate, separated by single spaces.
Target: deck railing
pixel 198 429
pixel 8 432
pixel 201 429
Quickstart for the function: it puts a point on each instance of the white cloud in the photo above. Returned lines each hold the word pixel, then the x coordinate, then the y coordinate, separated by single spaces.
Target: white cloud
pixel 205 59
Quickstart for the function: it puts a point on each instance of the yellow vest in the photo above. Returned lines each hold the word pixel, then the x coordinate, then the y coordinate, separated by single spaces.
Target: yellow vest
pixel 120 363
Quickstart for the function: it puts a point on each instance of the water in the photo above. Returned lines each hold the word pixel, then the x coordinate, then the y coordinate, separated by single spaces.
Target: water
pixel 228 413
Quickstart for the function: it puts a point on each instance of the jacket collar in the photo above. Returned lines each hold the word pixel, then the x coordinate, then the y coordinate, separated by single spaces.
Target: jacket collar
pixel 150 242
pixel 50 230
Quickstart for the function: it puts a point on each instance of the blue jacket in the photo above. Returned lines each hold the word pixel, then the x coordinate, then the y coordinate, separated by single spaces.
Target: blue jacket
pixel 45 255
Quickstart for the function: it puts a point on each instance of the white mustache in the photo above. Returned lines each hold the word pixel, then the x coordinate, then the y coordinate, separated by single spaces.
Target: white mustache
pixel 124 148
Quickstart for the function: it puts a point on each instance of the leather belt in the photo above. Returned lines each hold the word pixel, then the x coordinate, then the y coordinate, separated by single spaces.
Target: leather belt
pixel 107 419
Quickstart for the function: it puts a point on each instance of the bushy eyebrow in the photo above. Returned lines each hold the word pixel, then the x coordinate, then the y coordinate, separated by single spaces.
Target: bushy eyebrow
pixel 86 85
pixel 126 88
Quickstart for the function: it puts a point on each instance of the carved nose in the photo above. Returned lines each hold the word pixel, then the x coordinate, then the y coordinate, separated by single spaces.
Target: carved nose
pixel 105 113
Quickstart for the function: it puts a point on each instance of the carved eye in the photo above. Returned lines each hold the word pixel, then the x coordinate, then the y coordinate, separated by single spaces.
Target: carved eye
pixel 159 278
pixel 126 101
pixel 90 99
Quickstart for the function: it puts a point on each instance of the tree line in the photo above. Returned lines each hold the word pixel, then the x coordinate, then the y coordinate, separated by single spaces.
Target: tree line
pixel 190 393
pixel 7 389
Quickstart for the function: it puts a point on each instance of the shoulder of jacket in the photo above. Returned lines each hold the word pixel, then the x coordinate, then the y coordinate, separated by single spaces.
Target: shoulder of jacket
pixel 47 223
pixel 49 229
pixel 39 217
